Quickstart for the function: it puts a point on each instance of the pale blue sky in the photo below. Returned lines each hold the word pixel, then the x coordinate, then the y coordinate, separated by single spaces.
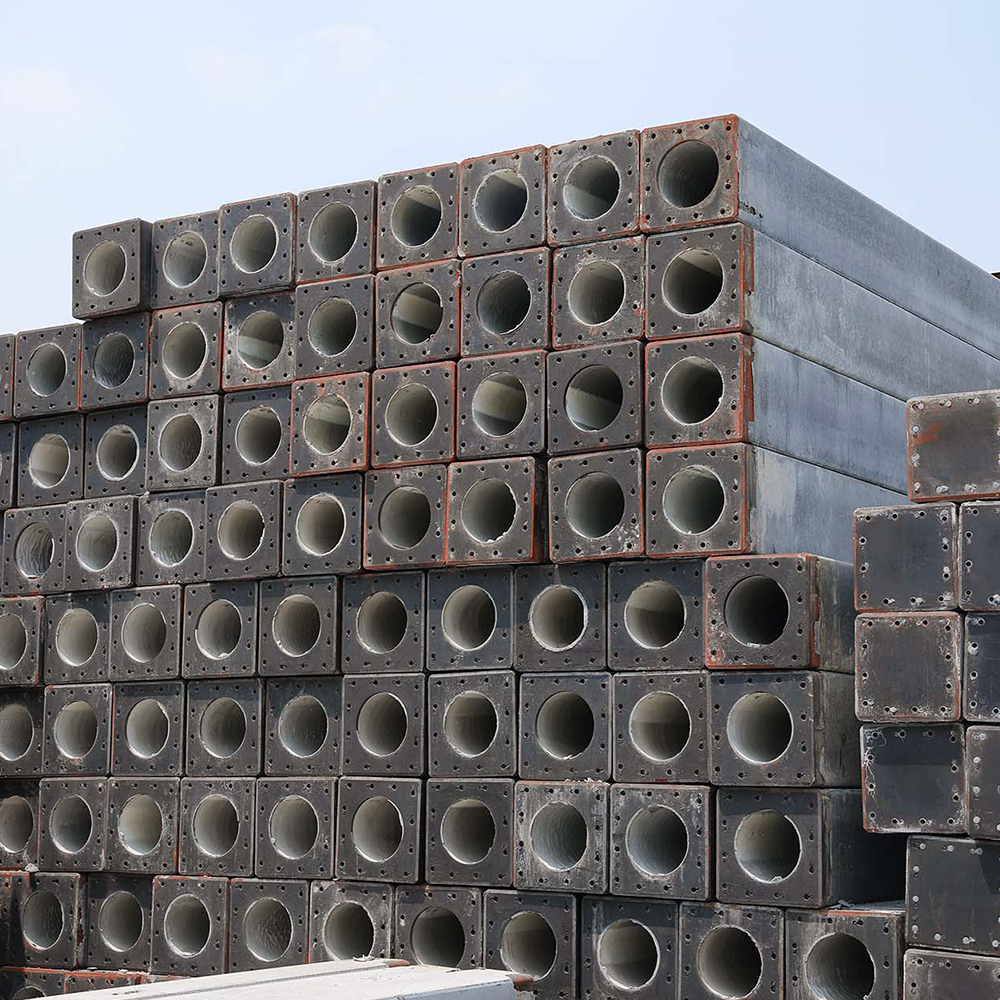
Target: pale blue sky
pixel 110 110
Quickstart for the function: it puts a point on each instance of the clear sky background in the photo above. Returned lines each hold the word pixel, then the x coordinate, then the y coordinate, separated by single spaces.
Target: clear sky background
pixel 111 110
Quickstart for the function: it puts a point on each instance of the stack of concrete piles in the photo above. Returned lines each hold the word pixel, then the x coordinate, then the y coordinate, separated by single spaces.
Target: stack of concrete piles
pixel 457 567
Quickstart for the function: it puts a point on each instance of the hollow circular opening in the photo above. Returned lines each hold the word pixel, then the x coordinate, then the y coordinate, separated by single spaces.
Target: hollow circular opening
pixel 332 327
pixel 416 314
pixel 218 630
pixel 654 614
pixel 348 932
pixel 558 618
pixel 693 500
pixel 499 404
pixel 171 537
pixel 241 530
pixel 17 823
pixel 147 727
pixel 416 216
pixel 184 259
pixel 48 461
pixel 96 542
pixel 320 525
pixel 468 831
pixel 216 826
pixel 382 622
pixel 114 360
pixel 767 846
pixel 840 967
pixel 593 398
pixel 595 505
pixel 296 625
pixel 42 920
pixel 489 510
pixel 185 349
pixel 470 723
pixel 187 926
pixel 105 267
pixel 258 435
pixel 332 232
pixel 659 726
pixel 27 992
pixel 17 731
pixel 468 618
pixel 14 641
pixel 759 727
pixel 34 551
pixel 756 611
pixel 71 824
pixel 559 836
pixel 254 244
pixel 267 929
pixel 303 726
pixel 46 370
pixel 528 945
pixel 503 303
pixel 76 636
pixel 144 633
pixel 692 390
pixel 382 724
pixel 628 955
pixel 564 725
pixel 75 729
pixel 412 414
pixel 259 339
pixel 596 293
pixel 688 173
pixel 140 825
pixel 120 921
pixel 692 282
pixel 223 727
pixel 729 963
pixel 404 517
pixel 117 452
pixel 180 442
pixel 656 840
pixel 437 937
pixel 591 188
pixel 327 424
pixel 500 201
pixel 377 829
pixel 293 827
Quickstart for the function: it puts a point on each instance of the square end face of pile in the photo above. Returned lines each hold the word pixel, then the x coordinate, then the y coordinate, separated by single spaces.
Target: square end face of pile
pixel 185 260
pixel 503 201
pixel 257 245
pixel 81 804
pixel 182 443
pixel 598 293
pixel 34 541
pixel 335 326
pixel 100 543
pixel 595 398
pixel 978 536
pixel 593 188
pixel 23 622
pixel 689 173
pixel 951 448
pixel 185 350
pixel 981 680
pixel 243 531
pixel 58 900
pixel 76 628
pixel 595 506
pixel 417 314
pixel 112 266
pixel 335 914
pixel 983 780
pixel 929 689
pixel 405 517
pixel 145 633
pixel 22 710
pixel 205 847
pixel 295 824
pixel 322 525
pixel 148 729
pixel 50 459
pixel 913 778
pixel 413 414
pixel 220 630
pixel 383 623
pixel 469 619
pixel 268 923
pixel 298 626
pixel 505 302
pixel 115 452
pixel 906 558
pixel 77 738
pixel 47 371
pixel 109 896
pixel 302 726
pixel 223 728
pixel 256 433
pixel 258 341
pixel 336 231
pixel 460 910
pixel 417 216
pixel 501 405
pixel 699 282
pixel 113 368
pixel 384 729
pixel 330 424
pixel 171 546
pixel 179 902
